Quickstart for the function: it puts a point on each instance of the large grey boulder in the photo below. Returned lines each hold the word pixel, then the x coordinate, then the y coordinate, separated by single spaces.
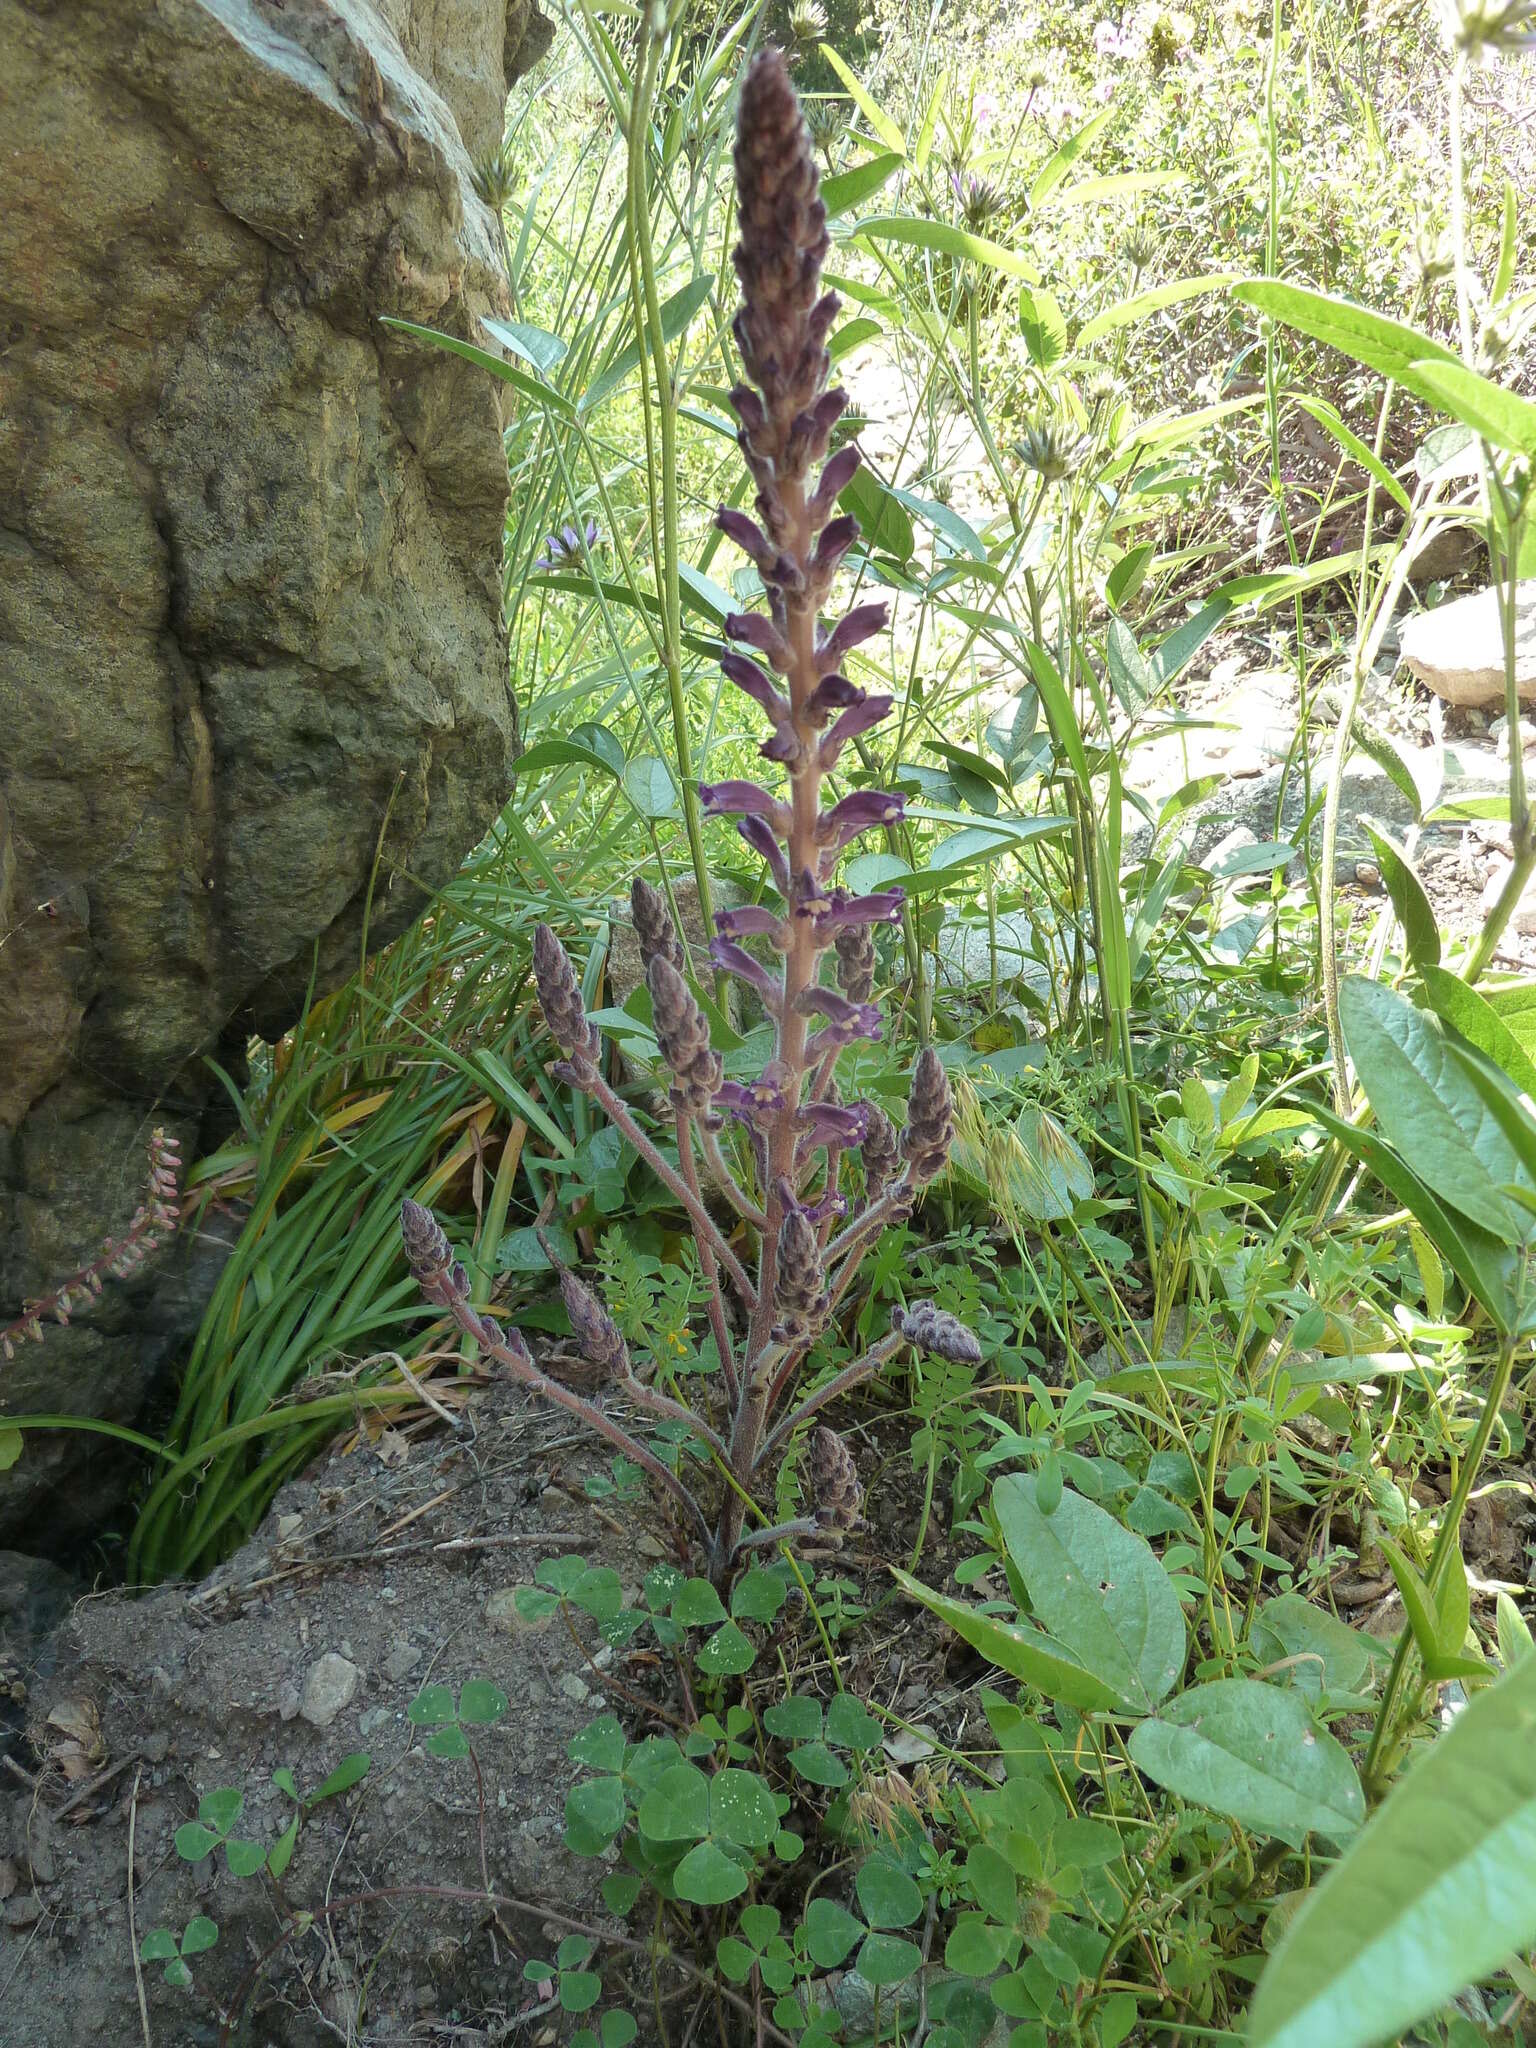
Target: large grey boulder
pixel 250 581
pixel 1457 650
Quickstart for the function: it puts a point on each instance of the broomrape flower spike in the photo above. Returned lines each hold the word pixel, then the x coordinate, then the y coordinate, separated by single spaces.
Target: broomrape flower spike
pixel 829 1173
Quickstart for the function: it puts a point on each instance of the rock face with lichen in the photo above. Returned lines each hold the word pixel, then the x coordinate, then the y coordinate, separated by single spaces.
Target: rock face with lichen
pixel 250 630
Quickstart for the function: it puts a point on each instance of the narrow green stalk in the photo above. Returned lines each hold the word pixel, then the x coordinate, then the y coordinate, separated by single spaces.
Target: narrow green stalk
pixel 1382 1752
pixel 664 491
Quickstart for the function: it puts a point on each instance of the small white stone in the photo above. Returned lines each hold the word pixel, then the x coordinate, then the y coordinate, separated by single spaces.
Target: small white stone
pixel 330 1685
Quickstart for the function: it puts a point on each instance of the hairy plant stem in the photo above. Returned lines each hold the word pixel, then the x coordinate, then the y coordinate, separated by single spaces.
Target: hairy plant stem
pixel 1382 1753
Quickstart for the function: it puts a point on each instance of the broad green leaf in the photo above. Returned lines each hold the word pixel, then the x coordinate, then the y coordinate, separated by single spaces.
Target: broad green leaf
pixel 434 1703
pixel 11 1442
pixel 596 1805
pixel 1438 1620
pixel 1514 1632
pixel 349 1772
pixel 1484 1264
pixel 1397 351
pixel 848 188
pixel 945 520
pixel 1327 418
pixel 697 1604
pixel 1429 1109
pixel 1324 1655
pixel 199 1935
pixel 158 1947
pixel 676 314
pixel 1421 934
pixel 741 1809
pixel 1024 1653
pixel 244 1858
pixel 797 1719
pixel 830 1932
pixel 1095 1585
pixel 531 387
pixel 220 1808
pixel 1043 326
pixel 947 240
pixel 757 1595
pixel 1500 416
pixel 1253 1752
pixel 878 119
pixel 727 1653
pixel 194 1841
pixel 888 1896
pixel 648 784
pixel 676 1808
pixel 1070 152
pixel 1178 649
pixel 814 1762
pixel 480 1702
pixel 1119 185
pixel 888 1959
pixel 280 1855
pixel 535 345
pixel 1432 1896
pixel 1472 1013
pixel 882 518
pixel 1127 311
pixel 851 1725
pixel 450 1742
pixel 708 1877
pixel 976 1945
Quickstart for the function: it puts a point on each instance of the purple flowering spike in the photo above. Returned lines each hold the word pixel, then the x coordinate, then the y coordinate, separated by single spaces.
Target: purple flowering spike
pixel 753 630
pixel 856 719
pixel 861 624
pixel 728 799
pixel 855 814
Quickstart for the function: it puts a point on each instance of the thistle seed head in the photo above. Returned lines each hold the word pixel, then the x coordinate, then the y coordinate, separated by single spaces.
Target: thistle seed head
pixel 881 1149
pixel 930 1126
pixel 653 926
pixel 856 962
pixel 560 999
pixel 597 1335
pixel 836 1495
pixel 683 1035
pixel 937 1332
pixel 783 324
pixel 799 1286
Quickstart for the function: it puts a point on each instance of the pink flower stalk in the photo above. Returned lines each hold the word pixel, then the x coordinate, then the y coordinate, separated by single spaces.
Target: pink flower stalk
pixel 799 1132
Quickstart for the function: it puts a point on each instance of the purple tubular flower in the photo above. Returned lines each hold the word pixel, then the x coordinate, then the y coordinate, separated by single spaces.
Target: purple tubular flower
pixel 759 836
pixel 812 429
pixel 884 907
pixel 747 534
pixel 748 408
pixel 833 693
pixel 838 536
pixel 754 1102
pixel 729 799
pixel 831 1123
pixel 781 745
pixel 862 1020
pixel 834 480
pixel 856 719
pixel 753 630
pixel 746 675
pixel 861 624
pixel 752 921
pixel 855 814
pixel 734 959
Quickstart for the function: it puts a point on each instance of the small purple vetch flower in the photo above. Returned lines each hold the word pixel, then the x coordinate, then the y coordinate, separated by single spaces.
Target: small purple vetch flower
pixel 566 546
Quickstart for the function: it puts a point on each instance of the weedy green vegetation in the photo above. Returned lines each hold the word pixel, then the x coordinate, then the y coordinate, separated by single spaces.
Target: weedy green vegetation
pixel 1151 1243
